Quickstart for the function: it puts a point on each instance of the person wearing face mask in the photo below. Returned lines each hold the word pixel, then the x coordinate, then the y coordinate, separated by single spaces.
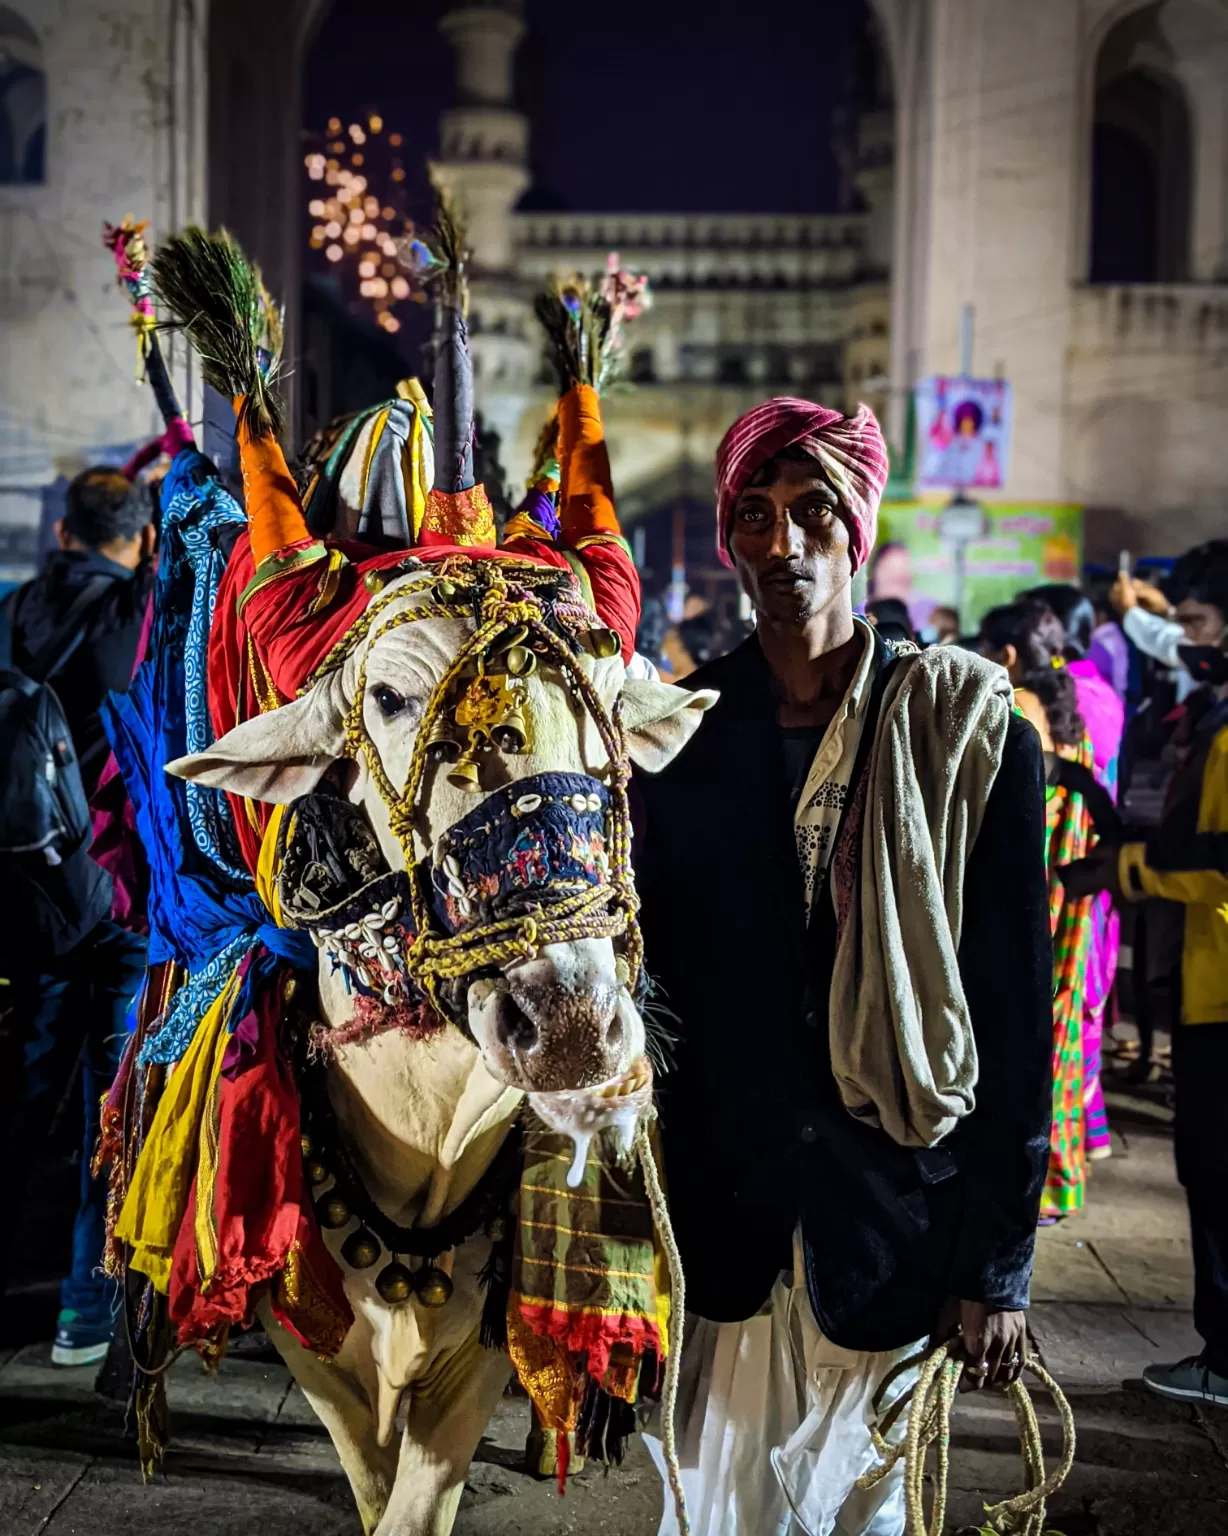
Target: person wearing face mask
pixel 844 901
pixel 1200 616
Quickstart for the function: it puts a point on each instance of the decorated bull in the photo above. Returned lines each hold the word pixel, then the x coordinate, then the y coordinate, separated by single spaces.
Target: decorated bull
pixel 425 1159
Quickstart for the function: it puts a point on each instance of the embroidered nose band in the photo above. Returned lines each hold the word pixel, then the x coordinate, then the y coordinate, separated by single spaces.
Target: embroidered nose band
pixel 542 834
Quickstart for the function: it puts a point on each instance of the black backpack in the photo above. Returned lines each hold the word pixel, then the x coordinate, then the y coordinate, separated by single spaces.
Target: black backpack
pixel 57 892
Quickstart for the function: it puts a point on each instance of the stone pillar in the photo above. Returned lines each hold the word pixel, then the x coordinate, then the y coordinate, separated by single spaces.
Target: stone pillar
pixel 989 110
pixel 1198 38
pixel 124 132
pixel 255 163
pixel 906 29
pixel 875 180
pixel 482 165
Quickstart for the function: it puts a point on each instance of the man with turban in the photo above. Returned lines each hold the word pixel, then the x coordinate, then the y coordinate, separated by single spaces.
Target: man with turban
pixel 845 907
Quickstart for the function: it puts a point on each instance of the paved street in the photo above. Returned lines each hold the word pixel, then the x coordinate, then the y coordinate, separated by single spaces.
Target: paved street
pixel 1112 1293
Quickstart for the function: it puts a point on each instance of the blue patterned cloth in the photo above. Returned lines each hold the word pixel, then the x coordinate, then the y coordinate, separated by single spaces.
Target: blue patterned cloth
pixel 204 912
pixel 544 831
pixel 196 506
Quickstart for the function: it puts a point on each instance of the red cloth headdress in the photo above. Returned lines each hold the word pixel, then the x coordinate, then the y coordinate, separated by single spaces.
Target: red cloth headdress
pixel 850 449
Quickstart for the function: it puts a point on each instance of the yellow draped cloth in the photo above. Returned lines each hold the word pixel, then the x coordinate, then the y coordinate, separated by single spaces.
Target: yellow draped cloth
pixel 162 1181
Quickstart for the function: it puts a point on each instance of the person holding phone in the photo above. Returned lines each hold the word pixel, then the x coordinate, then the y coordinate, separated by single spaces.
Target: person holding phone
pixel 1199 616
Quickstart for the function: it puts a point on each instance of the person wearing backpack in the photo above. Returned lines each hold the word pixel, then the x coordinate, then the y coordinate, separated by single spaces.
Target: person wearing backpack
pixel 72 972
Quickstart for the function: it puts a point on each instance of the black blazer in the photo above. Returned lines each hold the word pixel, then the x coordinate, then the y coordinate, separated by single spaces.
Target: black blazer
pixel 755 1138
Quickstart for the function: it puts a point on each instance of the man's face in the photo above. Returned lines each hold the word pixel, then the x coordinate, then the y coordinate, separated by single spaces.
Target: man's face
pixel 1203 623
pixel 790 545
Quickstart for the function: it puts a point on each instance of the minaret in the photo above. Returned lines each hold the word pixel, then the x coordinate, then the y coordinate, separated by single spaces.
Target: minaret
pixel 482 165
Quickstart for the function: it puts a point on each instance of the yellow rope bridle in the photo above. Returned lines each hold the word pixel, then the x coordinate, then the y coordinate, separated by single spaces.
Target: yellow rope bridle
pixel 607 911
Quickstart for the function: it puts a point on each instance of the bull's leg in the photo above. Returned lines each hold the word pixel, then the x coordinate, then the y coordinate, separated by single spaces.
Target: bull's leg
pixel 343 1408
pixel 447 1414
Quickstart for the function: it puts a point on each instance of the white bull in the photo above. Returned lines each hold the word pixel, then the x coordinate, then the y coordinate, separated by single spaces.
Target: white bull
pixel 424 1118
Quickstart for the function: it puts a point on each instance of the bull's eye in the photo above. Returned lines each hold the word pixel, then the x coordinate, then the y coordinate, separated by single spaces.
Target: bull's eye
pixel 390 702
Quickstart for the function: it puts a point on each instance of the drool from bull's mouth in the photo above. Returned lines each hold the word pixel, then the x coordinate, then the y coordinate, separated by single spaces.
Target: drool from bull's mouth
pixel 584 1113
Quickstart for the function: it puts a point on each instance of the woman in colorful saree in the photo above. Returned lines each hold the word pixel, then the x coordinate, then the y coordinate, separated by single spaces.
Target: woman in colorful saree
pixel 1028 639
pixel 1105 717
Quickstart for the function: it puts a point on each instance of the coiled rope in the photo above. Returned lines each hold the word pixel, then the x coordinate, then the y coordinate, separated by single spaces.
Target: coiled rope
pixel 929 1421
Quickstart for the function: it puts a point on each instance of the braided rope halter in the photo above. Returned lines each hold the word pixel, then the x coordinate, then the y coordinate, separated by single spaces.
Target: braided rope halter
pixel 605 911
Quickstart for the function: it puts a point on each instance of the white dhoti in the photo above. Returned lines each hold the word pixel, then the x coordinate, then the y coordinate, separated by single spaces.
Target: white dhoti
pixel 773 1428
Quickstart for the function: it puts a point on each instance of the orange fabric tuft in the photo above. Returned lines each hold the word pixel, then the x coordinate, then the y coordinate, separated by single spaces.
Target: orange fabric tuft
pixel 274 512
pixel 587 500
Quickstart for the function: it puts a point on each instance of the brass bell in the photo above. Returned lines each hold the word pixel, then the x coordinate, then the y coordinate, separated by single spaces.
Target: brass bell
pixel 332 1211
pixel 445 590
pixel 603 642
pixel 361 1249
pixel 375 581
pixel 442 745
pixel 433 1286
pixel 394 1282
pixel 316 1172
pixel 521 662
pixel 512 731
pixel 464 774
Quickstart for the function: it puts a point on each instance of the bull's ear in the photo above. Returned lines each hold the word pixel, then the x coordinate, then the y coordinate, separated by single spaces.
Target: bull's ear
pixel 659 720
pixel 277 756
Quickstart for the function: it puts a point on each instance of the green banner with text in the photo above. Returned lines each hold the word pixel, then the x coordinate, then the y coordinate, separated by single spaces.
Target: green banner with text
pixel 1025 544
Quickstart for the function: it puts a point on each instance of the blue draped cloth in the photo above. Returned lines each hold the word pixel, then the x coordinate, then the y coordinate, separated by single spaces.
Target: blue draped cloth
pixel 204 912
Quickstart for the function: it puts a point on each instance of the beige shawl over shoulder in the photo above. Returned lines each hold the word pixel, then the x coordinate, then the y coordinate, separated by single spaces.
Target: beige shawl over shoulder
pixel 901 1038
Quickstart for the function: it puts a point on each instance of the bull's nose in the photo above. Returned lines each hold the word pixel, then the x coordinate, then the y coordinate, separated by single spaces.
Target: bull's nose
pixel 562 1038
pixel 513 1026
pixel 530 1016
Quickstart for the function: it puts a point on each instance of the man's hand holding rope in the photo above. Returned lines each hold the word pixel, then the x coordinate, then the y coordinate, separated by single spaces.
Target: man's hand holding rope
pixel 992 1344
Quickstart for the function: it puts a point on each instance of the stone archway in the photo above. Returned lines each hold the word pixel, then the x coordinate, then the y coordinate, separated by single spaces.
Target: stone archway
pixel 1141 158
pixel 23 103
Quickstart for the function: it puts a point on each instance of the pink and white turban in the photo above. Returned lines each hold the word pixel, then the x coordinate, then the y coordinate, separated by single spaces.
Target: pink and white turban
pixel 850 449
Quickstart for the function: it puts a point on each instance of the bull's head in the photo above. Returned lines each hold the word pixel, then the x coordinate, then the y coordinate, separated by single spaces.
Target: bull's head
pixel 554 1018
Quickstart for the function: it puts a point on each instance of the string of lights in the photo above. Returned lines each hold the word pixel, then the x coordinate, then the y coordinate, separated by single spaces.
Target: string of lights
pixel 358 214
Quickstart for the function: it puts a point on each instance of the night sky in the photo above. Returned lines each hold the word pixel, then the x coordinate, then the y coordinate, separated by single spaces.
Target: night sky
pixel 670 106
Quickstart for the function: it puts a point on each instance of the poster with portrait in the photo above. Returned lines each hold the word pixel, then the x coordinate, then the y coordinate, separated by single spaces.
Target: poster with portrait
pixel 963 433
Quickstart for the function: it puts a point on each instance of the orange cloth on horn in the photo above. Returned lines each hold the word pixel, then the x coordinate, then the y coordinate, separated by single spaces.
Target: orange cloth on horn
pixel 587 492
pixel 274 512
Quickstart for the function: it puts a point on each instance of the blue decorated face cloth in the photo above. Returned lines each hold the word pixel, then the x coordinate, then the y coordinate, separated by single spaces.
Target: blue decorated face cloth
pixel 525 846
